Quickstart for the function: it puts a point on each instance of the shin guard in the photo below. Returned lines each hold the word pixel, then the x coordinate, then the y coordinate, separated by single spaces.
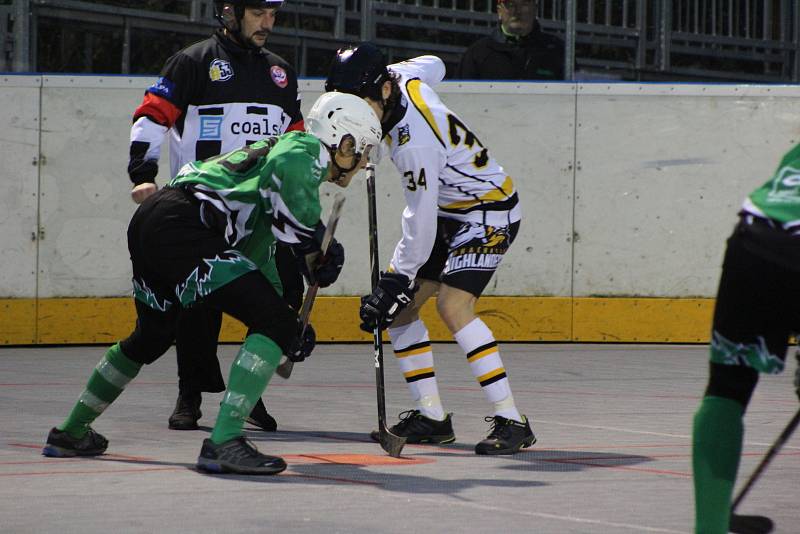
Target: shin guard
pixel 250 373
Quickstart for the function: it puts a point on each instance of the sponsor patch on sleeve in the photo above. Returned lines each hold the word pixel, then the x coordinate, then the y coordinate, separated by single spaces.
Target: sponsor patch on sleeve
pixel 279 76
pixel 163 87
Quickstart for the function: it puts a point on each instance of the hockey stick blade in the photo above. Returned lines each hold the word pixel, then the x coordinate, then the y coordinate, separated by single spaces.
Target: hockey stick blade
pixel 750 524
pixel 284 370
pixel 392 444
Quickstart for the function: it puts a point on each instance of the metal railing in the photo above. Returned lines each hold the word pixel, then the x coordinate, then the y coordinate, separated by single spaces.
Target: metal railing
pixel 755 40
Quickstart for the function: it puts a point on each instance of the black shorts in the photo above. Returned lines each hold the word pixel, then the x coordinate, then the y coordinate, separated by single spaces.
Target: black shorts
pixel 465 255
pixel 176 258
pixel 758 301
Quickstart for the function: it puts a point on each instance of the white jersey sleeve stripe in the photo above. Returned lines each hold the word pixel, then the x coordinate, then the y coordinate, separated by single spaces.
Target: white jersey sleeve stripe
pixel 146 131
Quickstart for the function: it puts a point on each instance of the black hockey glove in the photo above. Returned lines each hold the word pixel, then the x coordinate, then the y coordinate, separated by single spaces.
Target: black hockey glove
pixel 323 270
pixel 141 171
pixel 302 345
pixel 393 293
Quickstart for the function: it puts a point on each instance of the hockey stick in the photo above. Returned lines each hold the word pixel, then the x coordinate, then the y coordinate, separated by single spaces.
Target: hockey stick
pixel 284 370
pixel 389 442
pixel 756 524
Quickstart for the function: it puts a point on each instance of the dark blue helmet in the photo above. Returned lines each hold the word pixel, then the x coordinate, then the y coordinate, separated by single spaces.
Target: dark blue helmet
pixel 359 70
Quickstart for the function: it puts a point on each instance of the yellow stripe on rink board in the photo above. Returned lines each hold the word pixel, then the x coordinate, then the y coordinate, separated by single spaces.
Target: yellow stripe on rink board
pixel 17 321
pixel 88 320
pixel 643 320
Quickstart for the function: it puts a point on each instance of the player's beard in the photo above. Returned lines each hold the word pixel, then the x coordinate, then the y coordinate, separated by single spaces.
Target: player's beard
pixel 251 41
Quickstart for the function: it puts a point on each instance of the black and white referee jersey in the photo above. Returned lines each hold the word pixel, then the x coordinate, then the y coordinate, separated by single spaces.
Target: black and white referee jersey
pixel 212 97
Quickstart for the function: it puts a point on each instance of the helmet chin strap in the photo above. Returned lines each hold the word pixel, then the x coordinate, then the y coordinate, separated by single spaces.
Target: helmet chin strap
pixel 340 172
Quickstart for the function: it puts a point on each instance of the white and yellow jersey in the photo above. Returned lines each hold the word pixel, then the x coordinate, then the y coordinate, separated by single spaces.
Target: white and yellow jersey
pixel 446 171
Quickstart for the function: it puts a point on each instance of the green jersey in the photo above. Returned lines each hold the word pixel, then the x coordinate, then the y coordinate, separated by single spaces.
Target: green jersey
pixel 250 196
pixel 779 198
pixel 261 192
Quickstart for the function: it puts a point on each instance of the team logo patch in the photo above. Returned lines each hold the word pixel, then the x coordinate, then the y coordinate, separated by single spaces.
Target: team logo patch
pixel 279 76
pixel 404 134
pixel 220 71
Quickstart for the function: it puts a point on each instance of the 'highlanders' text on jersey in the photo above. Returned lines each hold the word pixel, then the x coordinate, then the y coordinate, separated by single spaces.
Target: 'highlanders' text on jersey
pixel 213 97
pixel 446 170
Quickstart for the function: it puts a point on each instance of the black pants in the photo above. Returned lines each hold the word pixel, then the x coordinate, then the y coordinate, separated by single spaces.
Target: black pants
pixel 198 330
pixel 759 291
pixel 756 309
pixel 250 299
pixel 167 241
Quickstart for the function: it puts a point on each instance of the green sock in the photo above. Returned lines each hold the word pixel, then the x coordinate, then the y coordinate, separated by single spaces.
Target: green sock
pixel 109 378
pixel 716 449
pixel 250 374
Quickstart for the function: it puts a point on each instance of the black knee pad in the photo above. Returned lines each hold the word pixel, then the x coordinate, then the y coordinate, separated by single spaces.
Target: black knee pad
pixel 153 336
pixel 279 323
pixel 732 382
pixel 144 349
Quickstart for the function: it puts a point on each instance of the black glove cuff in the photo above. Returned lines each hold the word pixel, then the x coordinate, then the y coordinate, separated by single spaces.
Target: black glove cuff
pixel 142 171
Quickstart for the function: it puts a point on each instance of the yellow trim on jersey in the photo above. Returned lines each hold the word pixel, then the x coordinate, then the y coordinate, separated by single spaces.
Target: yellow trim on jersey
pixel 414 352
pixel 478 356
pixel 506 190
pixel 413 88
pixel 412 374
pixel 491 374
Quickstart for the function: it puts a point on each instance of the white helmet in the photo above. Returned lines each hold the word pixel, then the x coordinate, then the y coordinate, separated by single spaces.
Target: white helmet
pixel 335 115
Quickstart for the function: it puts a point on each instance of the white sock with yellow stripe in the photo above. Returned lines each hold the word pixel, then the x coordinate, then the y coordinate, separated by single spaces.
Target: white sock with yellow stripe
pixel 412 348
pixel 477 341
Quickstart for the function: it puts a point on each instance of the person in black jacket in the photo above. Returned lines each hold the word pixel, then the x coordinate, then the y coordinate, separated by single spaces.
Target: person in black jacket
pixel 517 50
pixel 212 97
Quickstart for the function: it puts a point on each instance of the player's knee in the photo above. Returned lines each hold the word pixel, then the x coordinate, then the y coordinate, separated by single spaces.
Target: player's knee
pixel 735 382
pixel 279 324
pixel 455 313
pixel 147 345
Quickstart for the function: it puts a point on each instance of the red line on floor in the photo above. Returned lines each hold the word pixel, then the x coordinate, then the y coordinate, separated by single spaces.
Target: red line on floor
pixel 82 383
pixel 92 472
pixel 50 461
pixel 109 456
pixel 623 467
pixel 354 459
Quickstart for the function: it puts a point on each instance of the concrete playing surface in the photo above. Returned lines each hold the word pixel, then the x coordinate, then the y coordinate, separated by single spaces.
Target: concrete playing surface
pixel 613 455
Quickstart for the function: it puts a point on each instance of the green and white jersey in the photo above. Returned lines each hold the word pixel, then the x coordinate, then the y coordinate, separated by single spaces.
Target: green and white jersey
pixel 261 192
pixel 779 198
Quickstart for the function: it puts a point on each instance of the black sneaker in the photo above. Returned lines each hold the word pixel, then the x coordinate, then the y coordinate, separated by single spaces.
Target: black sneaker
pixel 417 428
pixel 507 436
pixel 260 418
pixel 62 445
pixel 237 456
pixel 186 412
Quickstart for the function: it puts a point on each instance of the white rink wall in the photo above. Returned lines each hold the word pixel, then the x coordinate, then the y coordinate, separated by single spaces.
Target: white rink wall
pixel 627 189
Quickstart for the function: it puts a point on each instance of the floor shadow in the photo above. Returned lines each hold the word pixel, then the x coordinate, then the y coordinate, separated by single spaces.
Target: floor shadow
pixel 345 474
